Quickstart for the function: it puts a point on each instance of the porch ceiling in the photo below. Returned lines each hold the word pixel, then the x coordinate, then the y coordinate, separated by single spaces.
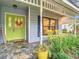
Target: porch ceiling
pixel 74 2
pixel 10 3
pixel 66 5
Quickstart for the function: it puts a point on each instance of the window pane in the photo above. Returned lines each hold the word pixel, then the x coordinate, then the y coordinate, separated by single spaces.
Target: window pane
pixel 45 22
pixel 45 30
pixel 52 23
pixel 53 29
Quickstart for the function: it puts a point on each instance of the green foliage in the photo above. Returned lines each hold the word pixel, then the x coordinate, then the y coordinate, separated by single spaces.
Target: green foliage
pixel 63 46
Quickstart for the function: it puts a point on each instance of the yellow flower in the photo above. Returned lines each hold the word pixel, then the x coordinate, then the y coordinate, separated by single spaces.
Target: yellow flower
pixel 49 30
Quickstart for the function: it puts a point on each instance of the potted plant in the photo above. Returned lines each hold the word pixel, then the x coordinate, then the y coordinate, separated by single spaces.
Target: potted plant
pixel 42 51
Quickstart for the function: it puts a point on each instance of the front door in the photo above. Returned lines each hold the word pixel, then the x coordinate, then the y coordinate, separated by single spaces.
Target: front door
pixel 15 27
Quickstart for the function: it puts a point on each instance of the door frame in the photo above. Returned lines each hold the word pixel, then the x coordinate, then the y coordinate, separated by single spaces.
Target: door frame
pixel 5 23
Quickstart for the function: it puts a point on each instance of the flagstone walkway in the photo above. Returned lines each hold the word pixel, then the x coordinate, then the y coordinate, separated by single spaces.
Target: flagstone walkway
pixel 17 51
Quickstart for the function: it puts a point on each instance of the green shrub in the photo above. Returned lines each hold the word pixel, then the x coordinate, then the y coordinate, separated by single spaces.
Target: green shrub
pixel 63 46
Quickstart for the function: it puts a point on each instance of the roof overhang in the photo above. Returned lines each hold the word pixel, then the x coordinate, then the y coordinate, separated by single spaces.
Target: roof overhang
pixel 70 3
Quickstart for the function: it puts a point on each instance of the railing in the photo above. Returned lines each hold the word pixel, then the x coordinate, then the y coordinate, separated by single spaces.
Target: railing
pixel 33 2
pixel 48 5
pixel 53 6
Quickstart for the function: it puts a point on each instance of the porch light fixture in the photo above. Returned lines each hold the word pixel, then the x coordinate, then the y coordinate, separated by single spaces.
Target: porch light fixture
pixel 70 4
pixel 14 6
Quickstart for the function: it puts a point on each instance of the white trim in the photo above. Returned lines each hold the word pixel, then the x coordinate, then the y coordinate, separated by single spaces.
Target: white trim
pixel 25 28
pixel 18 15
pixel 70 4
pixel 44 7
pixel 29 24
pixel 40 7
pixel 14 14
pixel 5 41
pixel 28 2
pixel 75 27
pixel 54 11
pixel 5 24
pixel 36 1
pixel 41 15
pixel 45 36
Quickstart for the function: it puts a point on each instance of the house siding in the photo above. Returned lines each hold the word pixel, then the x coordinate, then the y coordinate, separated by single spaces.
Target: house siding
pixel 1 34
pixel 34 13
pixel 0 15
pixel 11 10
pixel 19 11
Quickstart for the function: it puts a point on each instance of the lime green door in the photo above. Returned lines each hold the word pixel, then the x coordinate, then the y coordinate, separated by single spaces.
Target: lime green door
pixel 15 27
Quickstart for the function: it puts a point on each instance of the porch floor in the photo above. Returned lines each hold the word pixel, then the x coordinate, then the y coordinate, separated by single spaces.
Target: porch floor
pixel 17 51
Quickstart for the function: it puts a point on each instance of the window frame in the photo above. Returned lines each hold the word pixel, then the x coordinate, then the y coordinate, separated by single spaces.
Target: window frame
pixel 49 26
